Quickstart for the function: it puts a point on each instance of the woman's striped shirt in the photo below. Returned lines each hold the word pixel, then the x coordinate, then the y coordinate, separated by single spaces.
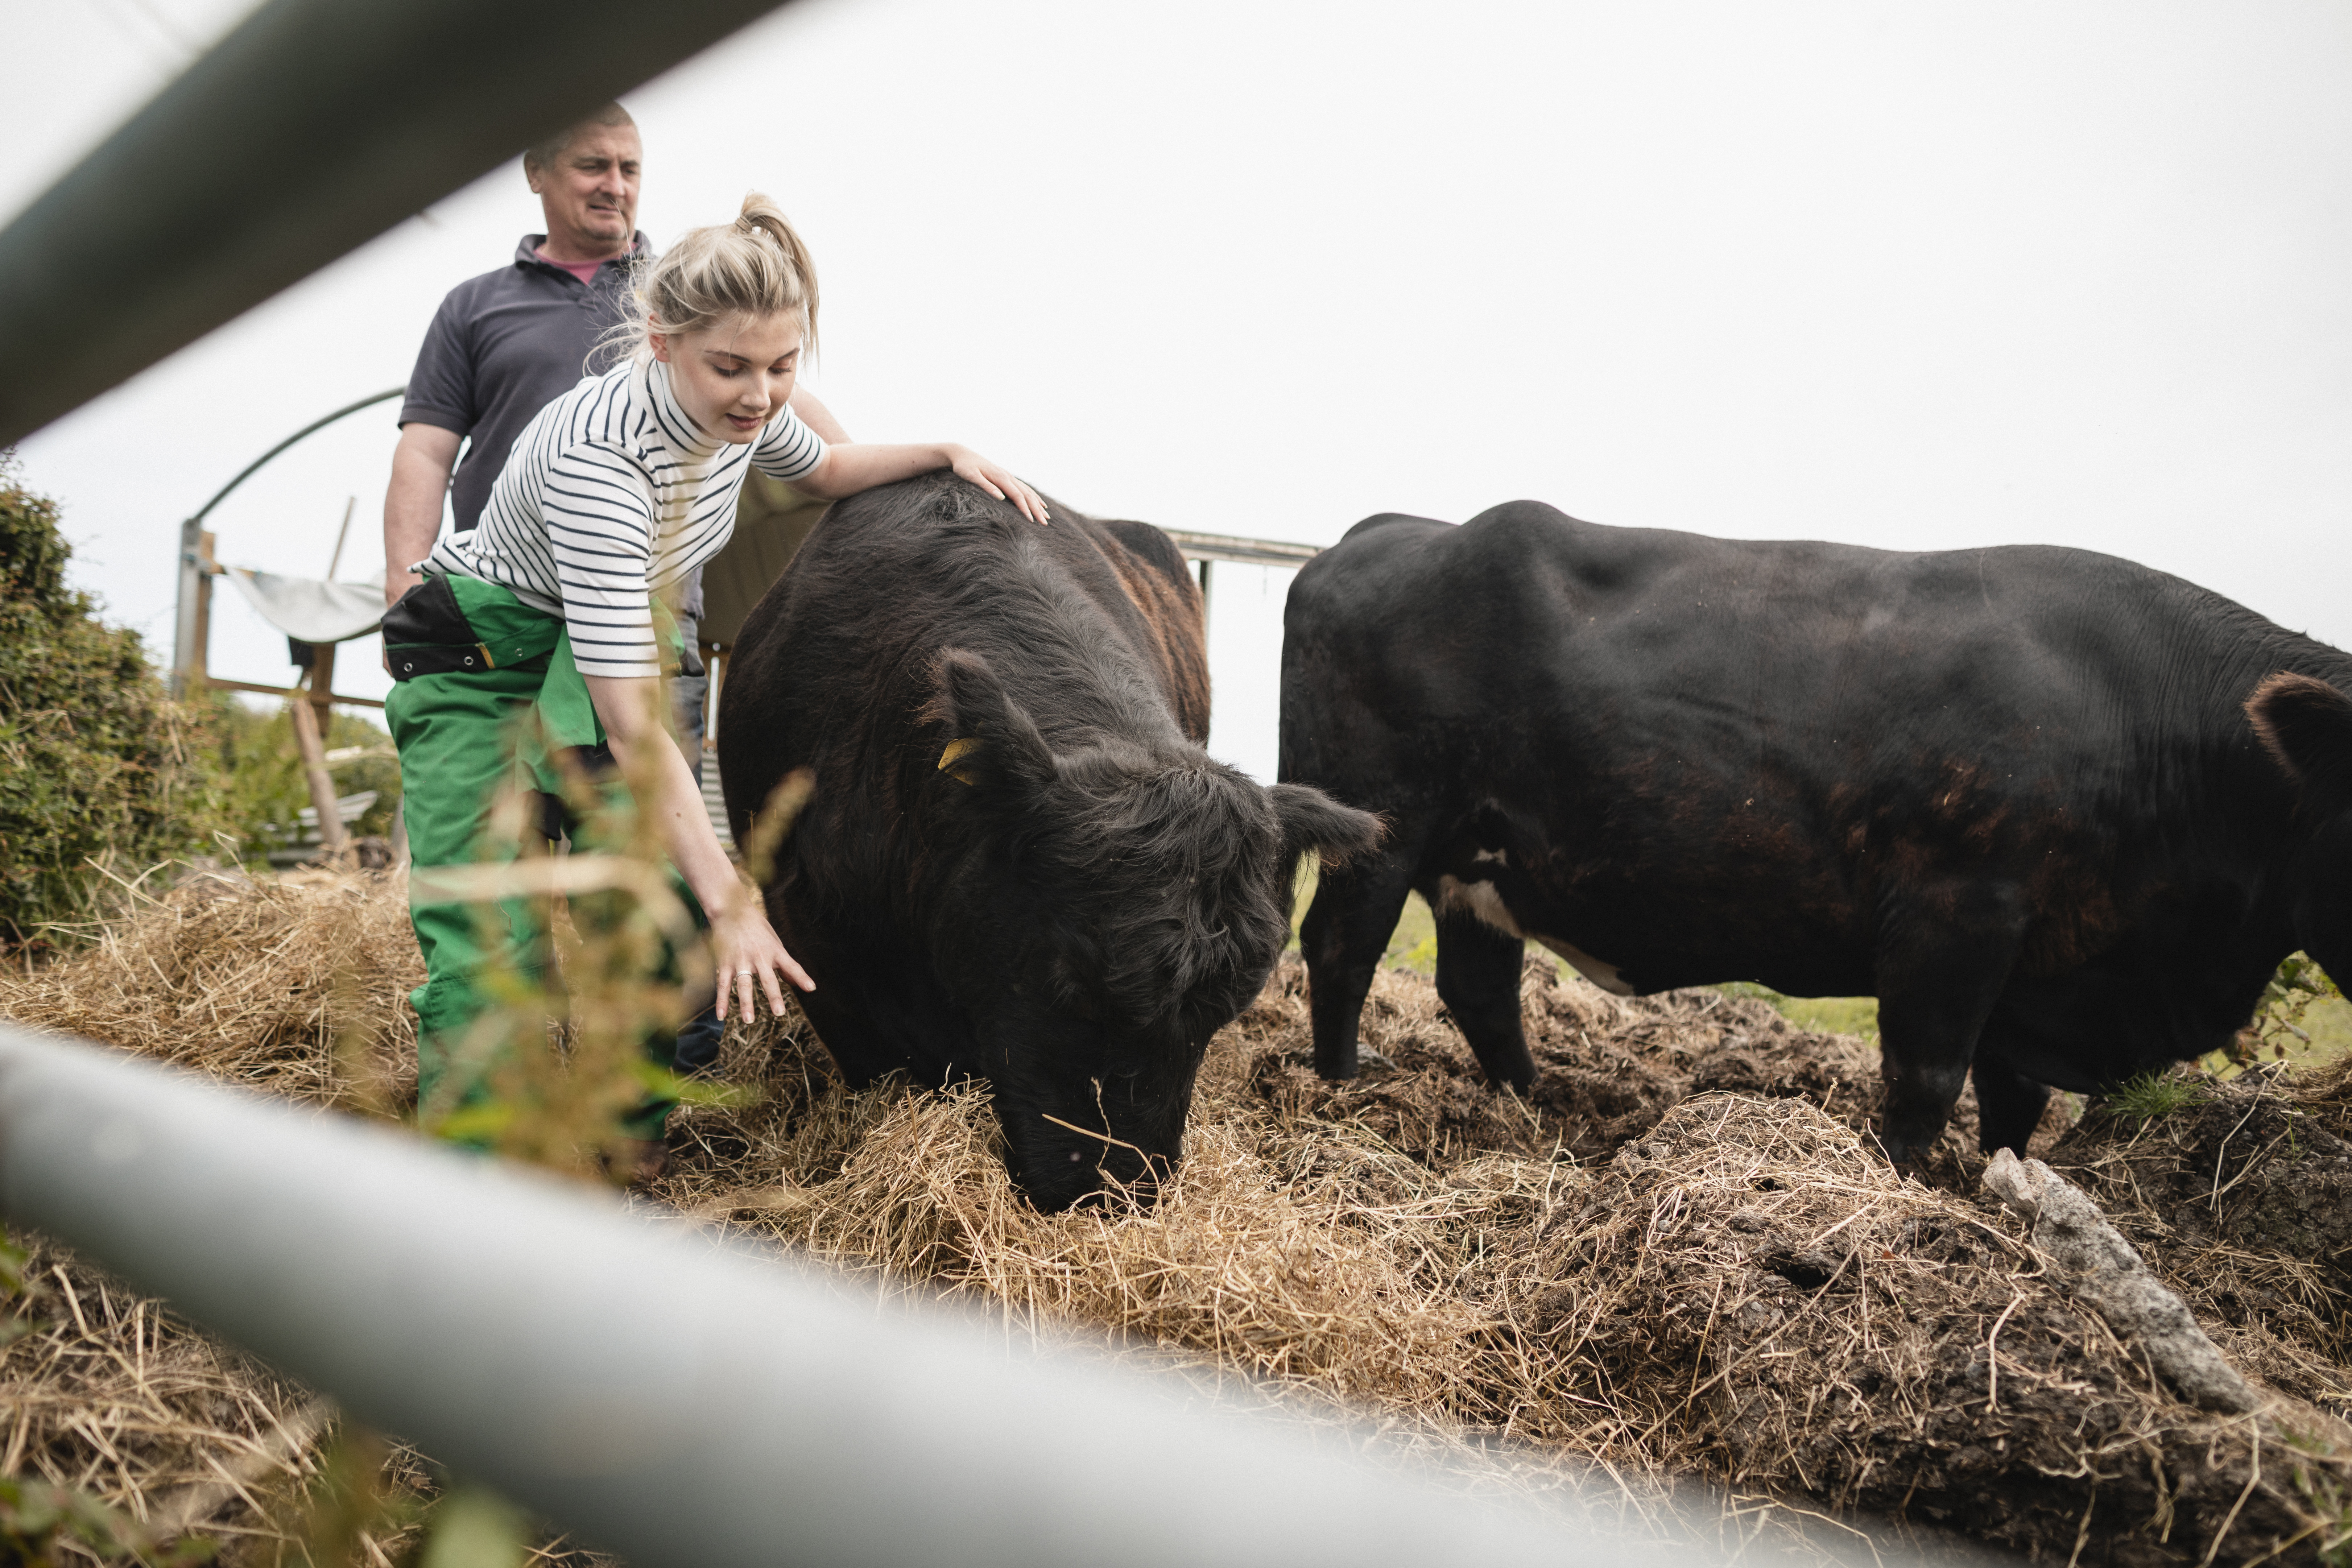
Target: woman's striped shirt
pixel 610 494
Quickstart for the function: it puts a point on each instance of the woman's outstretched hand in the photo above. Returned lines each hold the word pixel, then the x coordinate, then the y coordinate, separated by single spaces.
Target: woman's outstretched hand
pixel 997 482
pixel 749 955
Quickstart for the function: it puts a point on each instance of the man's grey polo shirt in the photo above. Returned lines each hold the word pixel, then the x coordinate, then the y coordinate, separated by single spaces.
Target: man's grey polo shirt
pixel 502 347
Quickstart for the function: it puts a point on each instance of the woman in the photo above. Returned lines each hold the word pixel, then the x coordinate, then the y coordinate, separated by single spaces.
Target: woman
pixel 616 490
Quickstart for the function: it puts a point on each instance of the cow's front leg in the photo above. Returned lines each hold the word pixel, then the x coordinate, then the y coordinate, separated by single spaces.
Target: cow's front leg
pixel 1346 930
pixel 1478 980
pixel 1940 971
pixel 2008 1106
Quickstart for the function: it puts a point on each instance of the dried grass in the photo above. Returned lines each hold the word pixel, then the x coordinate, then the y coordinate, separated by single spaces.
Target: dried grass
pixel 2241 1200
pixel 1755 1295
pixel 294 986
pixel 1733 1287
pixel 1674 1257
pixel 111 1396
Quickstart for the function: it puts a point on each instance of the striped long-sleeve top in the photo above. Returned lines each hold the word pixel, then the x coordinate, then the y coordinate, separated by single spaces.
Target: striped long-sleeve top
pixel 611 493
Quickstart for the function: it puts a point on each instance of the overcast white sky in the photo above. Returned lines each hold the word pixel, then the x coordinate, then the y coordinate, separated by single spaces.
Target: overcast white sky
pixel 1916 276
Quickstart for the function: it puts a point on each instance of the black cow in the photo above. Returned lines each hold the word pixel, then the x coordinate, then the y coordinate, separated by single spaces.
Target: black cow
pixel 1018 863
pixel 2061 814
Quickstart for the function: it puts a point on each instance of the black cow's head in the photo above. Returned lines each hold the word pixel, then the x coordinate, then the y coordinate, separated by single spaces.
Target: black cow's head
pixel 1105 911
pixel 2306 724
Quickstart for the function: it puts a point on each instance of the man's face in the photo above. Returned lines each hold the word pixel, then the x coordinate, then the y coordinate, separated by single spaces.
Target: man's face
pixel 589 193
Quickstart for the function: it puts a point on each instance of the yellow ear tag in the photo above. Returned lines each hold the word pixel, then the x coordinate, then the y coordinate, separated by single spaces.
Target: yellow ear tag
pixel 958 749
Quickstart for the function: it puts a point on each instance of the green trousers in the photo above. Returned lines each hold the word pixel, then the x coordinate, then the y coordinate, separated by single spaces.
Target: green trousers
pixel 469 738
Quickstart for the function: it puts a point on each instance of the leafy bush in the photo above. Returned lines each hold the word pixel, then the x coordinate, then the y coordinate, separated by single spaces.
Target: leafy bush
pixel 95 760
pixel 2283 1010
pixel 259 772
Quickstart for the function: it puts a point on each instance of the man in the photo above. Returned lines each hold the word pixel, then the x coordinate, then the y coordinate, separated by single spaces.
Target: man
pixel 503 346
pixel 507 344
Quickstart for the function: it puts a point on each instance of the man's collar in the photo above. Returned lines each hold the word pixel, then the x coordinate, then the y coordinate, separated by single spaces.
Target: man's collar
pixel 527 253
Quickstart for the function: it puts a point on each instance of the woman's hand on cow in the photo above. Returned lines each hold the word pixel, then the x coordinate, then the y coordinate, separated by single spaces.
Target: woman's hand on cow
pixel 997 481
pixel 749 955
pixel 846 470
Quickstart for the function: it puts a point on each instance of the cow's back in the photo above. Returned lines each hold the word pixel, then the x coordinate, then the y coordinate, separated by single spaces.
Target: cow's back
pixel 1673 732
pixel 1644 641
pixel 835 662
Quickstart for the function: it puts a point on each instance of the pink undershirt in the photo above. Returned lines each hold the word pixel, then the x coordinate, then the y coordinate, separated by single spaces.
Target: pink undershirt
pixel 584 271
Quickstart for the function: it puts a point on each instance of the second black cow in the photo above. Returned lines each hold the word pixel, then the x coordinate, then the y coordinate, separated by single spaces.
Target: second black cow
pixel 1018 863
pixel 2063 814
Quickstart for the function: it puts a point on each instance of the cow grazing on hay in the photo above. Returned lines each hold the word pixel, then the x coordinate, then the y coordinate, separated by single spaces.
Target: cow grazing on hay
pixel 1017 862
pixel 2063 814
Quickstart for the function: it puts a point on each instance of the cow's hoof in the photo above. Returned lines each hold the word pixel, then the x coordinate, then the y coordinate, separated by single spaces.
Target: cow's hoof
pixel 1366 1060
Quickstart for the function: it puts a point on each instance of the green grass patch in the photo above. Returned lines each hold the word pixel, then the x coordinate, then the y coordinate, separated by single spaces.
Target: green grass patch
pixel 1412 945
pixel 2154 1094
pixel 1828 1014
pixel 2329 1025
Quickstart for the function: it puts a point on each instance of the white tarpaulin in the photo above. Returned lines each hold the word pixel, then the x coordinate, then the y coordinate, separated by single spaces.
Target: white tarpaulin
pixel 308 610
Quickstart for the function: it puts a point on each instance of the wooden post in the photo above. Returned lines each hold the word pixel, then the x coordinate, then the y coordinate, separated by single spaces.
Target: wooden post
pixel 714 662
pixel 200 655
pixel 184 621
pixel 323 687
pixel 304 711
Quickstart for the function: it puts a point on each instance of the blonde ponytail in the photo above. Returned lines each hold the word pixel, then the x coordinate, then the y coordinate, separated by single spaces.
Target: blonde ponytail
pixel 753 266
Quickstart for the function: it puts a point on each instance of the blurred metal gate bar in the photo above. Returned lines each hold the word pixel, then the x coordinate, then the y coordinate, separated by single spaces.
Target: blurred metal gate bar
pixel 312 128
pixel 672 1400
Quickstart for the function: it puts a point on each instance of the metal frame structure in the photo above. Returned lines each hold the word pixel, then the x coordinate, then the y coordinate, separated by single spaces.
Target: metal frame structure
pixel 191 617
pixel 1208 549
pixel 311 703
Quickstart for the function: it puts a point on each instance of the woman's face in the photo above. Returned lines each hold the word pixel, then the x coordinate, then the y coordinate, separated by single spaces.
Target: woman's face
pixel 731 377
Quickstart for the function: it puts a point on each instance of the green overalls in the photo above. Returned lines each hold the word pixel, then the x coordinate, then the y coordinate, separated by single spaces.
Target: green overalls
pixel 484 691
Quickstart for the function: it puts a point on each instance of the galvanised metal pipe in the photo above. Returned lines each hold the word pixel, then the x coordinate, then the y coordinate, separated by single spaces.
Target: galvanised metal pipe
pixel 312 428
pixel 673 1400
pixel 311 129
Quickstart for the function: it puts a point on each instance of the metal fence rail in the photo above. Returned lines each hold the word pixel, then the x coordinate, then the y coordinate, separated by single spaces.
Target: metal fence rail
pixel 311 129
pixel 1242 551
pixel 665 1397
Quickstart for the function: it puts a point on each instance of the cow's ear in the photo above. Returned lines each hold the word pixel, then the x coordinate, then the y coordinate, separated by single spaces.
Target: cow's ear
pixel 2307 726
pixel 1313 822
pixel 985 739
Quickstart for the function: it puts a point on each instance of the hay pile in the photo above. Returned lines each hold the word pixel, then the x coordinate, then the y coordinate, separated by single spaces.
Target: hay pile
pixel 1754 1295
pixel 1630 1266
pixel 110 1395
pixel 2242 1198
pixel 294 986
pixel 1675 1257
pixel 290 986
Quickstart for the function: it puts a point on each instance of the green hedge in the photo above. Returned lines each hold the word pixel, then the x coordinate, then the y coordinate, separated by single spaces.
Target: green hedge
pixel 95 761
